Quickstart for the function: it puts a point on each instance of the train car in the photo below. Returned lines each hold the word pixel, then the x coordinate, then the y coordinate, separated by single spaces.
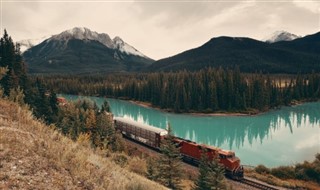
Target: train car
pixel 146 134
pixel 191 153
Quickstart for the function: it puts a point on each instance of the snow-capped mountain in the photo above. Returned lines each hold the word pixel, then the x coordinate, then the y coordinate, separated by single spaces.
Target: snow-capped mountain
pixel 82 33
pixel 281 36
pixel 29 43
pixel 125 48
pixel 80 50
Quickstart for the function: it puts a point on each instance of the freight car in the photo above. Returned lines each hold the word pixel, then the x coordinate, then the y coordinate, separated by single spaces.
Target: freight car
pixel 190 151
pixel 143 133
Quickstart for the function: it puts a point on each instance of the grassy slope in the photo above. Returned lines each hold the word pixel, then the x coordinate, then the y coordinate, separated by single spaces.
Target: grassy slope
pixel 34 156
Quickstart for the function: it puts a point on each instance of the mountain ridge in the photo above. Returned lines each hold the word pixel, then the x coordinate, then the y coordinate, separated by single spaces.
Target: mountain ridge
pixel 250 55
pixel 82 51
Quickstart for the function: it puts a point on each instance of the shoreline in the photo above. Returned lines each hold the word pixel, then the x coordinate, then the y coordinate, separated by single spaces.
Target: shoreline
pixel 253 113
pixel 149 105
pixel 223 113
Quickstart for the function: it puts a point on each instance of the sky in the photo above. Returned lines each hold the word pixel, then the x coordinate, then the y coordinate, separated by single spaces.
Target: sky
pixel 161 29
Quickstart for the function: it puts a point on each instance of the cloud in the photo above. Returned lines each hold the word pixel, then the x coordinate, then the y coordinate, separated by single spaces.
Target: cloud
pixel 313 6
pixel 160 29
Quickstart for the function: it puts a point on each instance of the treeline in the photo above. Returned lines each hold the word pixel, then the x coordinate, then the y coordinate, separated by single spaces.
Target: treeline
pixel 207 90
pixel 17 86
pixel 83 119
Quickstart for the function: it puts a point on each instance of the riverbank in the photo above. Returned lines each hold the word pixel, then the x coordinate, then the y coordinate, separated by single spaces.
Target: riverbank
pixel 149 105
pixel 251 112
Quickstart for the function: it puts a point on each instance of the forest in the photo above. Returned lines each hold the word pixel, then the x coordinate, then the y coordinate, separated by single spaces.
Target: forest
pixel 207 91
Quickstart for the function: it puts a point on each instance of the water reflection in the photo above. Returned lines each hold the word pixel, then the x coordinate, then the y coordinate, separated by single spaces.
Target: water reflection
pixel 218 130
pixel 267 138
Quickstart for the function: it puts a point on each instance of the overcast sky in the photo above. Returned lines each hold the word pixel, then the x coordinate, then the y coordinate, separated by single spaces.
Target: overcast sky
pixel 161 28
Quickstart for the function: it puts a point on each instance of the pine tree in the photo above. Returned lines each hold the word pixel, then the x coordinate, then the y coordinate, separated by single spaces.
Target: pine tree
pixel 105 107
pixel 105 130
pixel 170 163
pixel 202 182
pixel 216 175
pixel 211 174
pixel 52 118
pixel 152 172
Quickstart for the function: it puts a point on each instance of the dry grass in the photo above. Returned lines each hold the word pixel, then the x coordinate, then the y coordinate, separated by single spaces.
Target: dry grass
pixel 35 156
pixel 291 184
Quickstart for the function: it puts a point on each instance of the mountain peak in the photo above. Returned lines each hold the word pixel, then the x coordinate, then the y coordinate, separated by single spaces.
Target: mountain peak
pixel 117 39
pixel 281 35
pixel 126 48
pixel 83 33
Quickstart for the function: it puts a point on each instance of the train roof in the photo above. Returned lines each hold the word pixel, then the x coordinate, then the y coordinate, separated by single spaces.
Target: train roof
pixel 141 125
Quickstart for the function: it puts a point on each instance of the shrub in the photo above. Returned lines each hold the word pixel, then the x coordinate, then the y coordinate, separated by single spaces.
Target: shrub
pixel 120 159
pixel 308 171
pixel 261 169
pixel 138 166
pixel 284 172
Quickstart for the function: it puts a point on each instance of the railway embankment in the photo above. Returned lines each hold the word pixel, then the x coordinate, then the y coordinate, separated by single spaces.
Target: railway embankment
pixel 255 180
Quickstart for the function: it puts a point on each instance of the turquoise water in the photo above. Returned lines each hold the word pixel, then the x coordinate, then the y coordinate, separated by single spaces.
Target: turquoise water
pixel 280 137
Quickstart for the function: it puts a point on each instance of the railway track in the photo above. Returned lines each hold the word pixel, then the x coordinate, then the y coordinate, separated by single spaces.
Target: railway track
pixel 244 181
pixel 256 184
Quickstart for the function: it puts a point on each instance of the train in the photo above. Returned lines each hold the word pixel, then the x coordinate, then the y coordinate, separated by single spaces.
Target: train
pixel 190 151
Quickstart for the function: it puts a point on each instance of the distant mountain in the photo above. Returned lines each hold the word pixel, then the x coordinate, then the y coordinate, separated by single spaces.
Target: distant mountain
pixel 281 36
pixel 80 51
pixel 299 55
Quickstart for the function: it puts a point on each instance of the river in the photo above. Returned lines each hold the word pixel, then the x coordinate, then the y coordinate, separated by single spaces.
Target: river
pixel 279 137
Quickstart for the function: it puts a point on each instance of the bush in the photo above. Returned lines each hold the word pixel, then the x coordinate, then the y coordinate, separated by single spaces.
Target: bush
pixel 138 166
pixel 261 169
pixel 284 172
pixel 308 171
pixel 120 159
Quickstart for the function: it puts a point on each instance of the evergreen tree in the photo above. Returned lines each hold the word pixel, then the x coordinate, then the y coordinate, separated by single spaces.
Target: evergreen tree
pixel 203 182
pixel 211 174
pixel 53 104
pixel 105 107
pixel 216 175
pixel 105 130
pixel 170 170
pixel 152 172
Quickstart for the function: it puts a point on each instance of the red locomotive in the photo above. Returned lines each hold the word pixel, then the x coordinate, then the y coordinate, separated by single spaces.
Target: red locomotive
pixel 190 151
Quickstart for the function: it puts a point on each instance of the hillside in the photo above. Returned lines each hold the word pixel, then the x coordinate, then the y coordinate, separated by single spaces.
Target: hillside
pixel 299 55
pixel 82 51
pixel 34 156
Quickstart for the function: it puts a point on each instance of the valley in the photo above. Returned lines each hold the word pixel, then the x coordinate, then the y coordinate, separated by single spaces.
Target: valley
pixel 128 100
